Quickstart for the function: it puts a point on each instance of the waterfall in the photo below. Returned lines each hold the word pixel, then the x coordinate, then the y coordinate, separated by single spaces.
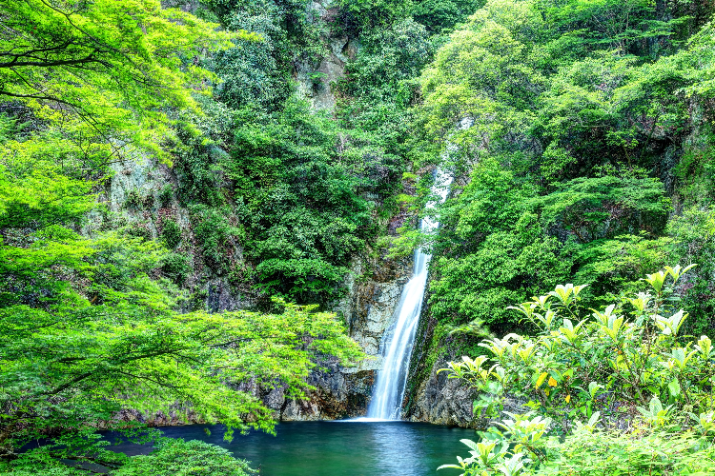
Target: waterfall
pixel 392 379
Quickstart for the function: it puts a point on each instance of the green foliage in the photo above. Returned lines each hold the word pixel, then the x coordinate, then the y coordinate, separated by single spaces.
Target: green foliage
pixel 309 189
pixel 186 458
pixel 653 453
pixel 379 83
pixel 56 52
pixel 139 229
pixel 369 14
pixel 250 72
pixel 387 58
pixel 693 236
pixel 259 74
pixel 73 356
pixel 198 151
pixel 176 266
pixel 569 121
pixel 628 361
pixel 170 232
pixel 587 451
pixel 86 333
pixel 440 15
pixel 306 216
pixel 631 359
pixel 134 200
pixel 436 15
pixel 166 195
pixel 216 235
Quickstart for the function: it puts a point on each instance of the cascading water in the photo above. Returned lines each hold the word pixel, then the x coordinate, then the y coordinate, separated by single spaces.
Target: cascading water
pixel 392 379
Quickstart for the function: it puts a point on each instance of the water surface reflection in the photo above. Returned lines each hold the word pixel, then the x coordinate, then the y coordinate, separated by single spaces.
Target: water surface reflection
pixel 338 448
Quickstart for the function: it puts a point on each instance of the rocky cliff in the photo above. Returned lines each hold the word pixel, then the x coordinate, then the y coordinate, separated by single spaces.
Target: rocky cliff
pixel 142 198
pixel 368 310
pixel 346 392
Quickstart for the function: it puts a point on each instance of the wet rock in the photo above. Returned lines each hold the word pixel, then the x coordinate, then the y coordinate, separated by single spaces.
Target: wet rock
pixel 444 401
pixel 368 310
pixel 338 395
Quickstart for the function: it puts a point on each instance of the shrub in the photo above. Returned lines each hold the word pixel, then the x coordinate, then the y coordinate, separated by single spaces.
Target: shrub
pixel 171 233
pixel 176 267
pixel 628 362
pixel 368 14
pixel 176 457
pixel 587 451
pixel 139 230
pixel 438 15
pixel 305 279
pixel 134 200
pixel 166 195
pixel 214 233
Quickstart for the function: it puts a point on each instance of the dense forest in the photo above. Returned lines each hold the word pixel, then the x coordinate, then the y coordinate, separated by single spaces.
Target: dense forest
pixel 186 187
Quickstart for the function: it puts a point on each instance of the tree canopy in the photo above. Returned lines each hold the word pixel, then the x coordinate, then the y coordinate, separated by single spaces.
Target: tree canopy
pixel 577 111
pixel 108 72
pixel 88 326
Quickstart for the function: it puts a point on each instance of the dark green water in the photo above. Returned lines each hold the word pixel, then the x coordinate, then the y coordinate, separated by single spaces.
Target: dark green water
pixel 339 448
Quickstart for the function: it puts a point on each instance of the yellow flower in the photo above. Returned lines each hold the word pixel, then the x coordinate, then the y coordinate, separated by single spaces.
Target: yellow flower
pixel 568 398
pixel 552 382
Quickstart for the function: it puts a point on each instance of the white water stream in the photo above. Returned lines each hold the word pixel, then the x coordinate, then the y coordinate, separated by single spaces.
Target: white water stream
pixel 389 390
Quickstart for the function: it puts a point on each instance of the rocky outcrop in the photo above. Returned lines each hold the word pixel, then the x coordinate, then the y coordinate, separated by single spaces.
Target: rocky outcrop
pixel 444 401
pixel 339 393
pixel 368 310
pixel 315 81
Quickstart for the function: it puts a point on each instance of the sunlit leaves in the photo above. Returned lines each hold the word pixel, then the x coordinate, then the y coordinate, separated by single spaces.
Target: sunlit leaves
pixel 670 325
pixel 655 414
pixel 583 369
pixel 704 346
pixel 106 71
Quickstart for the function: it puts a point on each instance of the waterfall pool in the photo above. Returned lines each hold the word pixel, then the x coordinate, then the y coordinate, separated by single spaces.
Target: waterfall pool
pixel 337 448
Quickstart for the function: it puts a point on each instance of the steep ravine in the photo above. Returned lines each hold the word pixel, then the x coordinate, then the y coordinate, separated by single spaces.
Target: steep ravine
pixel 367 308
pixel 345 392
pixel 135 199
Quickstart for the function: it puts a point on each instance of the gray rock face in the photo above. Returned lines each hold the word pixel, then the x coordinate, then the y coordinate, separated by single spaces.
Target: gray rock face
pixel 315 81
pixel 378 301
pixel 338 394
pixel 444 401
pixel 143 179
pixel 368 310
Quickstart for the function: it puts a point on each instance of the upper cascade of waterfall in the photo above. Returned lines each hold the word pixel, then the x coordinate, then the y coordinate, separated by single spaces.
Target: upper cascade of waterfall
pixel 392 379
